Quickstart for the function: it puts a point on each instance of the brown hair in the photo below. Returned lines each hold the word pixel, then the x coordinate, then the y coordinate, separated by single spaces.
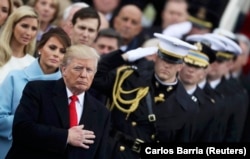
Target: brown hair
pixel 57 32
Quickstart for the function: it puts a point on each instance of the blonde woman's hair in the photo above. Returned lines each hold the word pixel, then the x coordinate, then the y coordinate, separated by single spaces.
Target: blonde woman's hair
pixel 32 3
pixel 81 52
pixel 7 33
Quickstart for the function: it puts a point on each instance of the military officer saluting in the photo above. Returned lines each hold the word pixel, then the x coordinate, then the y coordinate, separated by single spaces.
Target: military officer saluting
pixel 150 106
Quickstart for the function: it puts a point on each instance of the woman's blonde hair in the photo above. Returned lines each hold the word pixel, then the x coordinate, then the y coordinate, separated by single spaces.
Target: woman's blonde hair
pixel 7 33
pixel 32 3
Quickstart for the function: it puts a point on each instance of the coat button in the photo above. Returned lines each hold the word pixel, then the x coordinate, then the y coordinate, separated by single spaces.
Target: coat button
pixel 122 148
pixel 133 123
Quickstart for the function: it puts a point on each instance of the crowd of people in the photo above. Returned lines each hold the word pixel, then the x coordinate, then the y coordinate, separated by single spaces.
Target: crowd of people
pixel 89 80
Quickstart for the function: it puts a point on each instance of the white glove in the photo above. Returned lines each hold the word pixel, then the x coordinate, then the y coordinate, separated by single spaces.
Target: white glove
pixel 139 53
pixel 178 30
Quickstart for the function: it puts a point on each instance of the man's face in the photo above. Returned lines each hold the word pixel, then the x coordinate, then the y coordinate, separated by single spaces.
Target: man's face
pixel 165 71
pixel 84 31
pixel 79 74
pixel 174 12
pixel 128 22
pixel 219 69
pixel 192 75
pixel 105 45
pixel 106 6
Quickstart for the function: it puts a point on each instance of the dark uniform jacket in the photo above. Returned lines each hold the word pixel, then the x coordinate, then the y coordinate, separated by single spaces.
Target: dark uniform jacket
pixel 230 111
pixel 171 113
pixel 204 122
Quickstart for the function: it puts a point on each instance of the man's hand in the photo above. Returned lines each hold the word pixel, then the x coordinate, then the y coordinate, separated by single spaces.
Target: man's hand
pixel 79 137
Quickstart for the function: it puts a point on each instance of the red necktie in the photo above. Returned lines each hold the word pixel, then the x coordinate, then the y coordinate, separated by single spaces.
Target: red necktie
pixel 72 111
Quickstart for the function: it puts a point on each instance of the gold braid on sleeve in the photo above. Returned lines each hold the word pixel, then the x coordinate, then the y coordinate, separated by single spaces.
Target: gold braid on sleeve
pixel 123 73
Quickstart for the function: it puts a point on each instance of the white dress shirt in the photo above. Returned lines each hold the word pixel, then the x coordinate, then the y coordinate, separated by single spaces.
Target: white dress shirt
pixel 79 103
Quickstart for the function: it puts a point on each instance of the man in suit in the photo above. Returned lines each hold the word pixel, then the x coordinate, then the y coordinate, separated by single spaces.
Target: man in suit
pixel 43 125
pixel 84 26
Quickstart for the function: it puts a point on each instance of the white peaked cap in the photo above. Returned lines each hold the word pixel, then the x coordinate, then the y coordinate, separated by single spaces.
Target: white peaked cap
pixel 174 45
pixel 211 42
pixel 231 46
pixel 224 32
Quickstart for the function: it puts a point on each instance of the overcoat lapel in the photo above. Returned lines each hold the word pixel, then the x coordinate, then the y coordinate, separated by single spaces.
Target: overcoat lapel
pixel 60 100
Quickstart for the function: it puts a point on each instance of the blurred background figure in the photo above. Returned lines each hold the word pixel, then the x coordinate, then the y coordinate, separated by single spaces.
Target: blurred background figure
pixel 174 12
pixel 104 21
pixel 241 60
pixel 51 52
pixel 6 7
pixel 203 18
pixel 128 24
pixel 106 7
pixel 107 40
pixel 68 13
pixel 18 40
pixel 48 11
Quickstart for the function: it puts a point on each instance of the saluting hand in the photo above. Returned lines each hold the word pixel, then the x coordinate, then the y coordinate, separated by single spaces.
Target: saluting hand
pixel 79 137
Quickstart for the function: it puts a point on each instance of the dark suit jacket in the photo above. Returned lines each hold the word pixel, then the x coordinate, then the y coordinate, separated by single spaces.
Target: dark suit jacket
pixel 41 124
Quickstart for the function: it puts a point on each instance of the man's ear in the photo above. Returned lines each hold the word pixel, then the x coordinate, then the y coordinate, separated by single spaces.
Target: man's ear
pixel 62 69
pixel 70 28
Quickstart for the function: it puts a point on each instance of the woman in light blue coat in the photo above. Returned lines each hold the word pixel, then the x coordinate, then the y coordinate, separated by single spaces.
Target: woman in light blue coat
pixel 51 51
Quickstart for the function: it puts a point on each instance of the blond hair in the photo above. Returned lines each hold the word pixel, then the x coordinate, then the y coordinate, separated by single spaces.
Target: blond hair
pixel 7 33
pixel 80 51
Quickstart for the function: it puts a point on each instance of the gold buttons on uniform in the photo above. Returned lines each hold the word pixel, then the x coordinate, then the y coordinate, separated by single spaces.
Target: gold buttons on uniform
pixel 212 100
pixel 153 136
pixel 161 95
pixel 133 123
pixel 169 88
pixel 156 84
pixel 122 148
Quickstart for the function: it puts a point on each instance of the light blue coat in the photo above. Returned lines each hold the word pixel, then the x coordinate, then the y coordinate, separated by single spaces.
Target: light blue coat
pixel 10 93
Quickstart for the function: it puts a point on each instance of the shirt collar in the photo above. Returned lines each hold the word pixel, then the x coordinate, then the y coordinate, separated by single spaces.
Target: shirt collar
pixel 215 83
pixel 165 83
pixel 192 90
pixel 79 96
